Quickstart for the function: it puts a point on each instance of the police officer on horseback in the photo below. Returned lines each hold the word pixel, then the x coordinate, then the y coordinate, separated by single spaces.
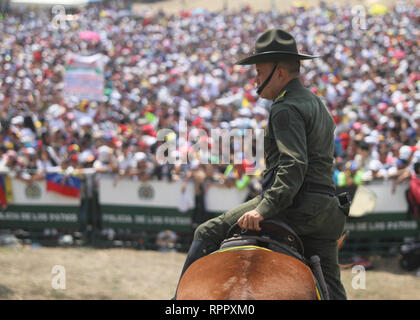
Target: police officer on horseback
pixel 298 185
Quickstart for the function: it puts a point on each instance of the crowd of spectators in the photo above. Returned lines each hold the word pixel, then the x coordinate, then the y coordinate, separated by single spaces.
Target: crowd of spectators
pixel 165 68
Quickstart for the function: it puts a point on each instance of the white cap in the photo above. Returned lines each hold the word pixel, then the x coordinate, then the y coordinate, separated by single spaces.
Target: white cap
pixel 245 112
pixel 404 152
pixel 224 125
pixel 194 164
pixel 371 139
pixel 55 110
pixel 103 153
pixel 204 113
pixel 86 121
pixel 17 120
pixel 375 165
pixel 416 115
pixel 383 119
pixel 139 156
pixel 149 140
pixel 260 111
pixel 416 156
pixel 85 156
pixel 30 151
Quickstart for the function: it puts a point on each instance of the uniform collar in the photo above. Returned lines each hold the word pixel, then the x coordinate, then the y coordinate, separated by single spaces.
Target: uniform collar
pixel 290 86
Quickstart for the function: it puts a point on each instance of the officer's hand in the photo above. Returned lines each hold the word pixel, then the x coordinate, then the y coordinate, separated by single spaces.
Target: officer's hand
pixel 250 220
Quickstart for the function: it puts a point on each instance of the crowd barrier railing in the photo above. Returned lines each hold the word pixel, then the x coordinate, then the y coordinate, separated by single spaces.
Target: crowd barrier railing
pixel 31 205
pixel 152 206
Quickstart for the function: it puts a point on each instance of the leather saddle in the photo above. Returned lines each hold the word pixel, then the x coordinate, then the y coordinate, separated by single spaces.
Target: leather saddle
pixel 274 235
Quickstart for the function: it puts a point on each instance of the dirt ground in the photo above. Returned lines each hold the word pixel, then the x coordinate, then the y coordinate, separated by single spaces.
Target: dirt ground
pixel 26 273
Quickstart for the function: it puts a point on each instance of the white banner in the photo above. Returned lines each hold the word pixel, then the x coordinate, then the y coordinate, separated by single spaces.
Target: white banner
pixel 220 199
pixel 162 194
pixel 127 192
pixel 386 201
pixel 165 195
pixel 84 77
pixel 36 194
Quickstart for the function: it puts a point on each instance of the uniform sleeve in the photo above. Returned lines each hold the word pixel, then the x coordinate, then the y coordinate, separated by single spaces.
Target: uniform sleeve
pixel 289 131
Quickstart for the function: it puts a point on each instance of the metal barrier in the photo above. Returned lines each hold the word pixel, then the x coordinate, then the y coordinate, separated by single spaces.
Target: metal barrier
pixel 35 214
pixel 129 213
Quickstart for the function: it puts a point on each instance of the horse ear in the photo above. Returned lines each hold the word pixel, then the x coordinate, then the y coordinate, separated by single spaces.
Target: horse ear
pixel 342 239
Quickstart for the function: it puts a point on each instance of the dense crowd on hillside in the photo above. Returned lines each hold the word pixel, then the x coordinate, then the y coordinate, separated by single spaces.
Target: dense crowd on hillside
pixel 163 69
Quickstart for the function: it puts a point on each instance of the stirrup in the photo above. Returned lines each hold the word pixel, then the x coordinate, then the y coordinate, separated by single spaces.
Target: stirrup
pixel 315 263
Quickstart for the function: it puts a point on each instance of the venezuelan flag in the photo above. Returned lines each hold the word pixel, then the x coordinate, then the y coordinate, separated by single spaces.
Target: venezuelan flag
pixel 65 185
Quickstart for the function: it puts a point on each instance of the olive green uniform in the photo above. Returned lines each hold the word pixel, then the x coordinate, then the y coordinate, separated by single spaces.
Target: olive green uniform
pixel 299 147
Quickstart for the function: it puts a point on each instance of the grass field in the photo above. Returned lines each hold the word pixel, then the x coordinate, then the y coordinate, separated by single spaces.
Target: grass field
pixel 26 273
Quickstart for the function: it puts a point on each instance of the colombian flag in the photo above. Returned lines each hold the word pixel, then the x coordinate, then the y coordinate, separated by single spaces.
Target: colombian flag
pixel 65 185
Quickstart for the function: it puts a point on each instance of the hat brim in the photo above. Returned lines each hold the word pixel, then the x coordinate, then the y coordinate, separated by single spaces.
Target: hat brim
pixel 273 56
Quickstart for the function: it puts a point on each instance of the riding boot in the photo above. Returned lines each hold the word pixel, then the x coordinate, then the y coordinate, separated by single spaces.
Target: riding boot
pixel 197 250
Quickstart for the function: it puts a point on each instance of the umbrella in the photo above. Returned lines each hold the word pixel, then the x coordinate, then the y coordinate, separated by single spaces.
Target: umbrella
pixel 301 4
pixel 89 35
pixel 399 54
pixel 198 11
pixel 378 9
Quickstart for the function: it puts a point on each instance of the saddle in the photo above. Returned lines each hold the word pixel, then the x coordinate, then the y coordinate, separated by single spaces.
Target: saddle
pixel 274 235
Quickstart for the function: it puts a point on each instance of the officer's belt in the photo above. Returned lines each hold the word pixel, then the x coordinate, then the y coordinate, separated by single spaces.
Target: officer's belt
pixel 313 188
pixel 318 188
pixel 269 177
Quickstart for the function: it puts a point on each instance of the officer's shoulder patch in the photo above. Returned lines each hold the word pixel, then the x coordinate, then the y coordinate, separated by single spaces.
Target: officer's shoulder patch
pixel 281 120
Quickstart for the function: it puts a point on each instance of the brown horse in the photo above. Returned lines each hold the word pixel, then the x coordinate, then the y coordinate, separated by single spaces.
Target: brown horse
pixel 252 274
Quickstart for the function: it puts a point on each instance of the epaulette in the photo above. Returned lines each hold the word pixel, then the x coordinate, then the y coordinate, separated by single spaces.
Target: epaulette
pixel 279 97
